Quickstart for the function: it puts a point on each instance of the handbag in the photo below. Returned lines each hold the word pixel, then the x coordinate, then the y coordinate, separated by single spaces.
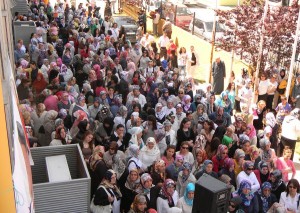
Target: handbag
pixel 100 209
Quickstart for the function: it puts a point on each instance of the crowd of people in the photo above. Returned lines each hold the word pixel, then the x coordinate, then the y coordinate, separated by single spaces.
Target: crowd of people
pixel 146 134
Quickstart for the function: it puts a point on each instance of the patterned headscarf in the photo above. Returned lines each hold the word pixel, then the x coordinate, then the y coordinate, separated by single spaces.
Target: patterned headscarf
pixel 221 148
pixel 187 166
pixel 228 163
pixel 189 188
pixel 239 153
pixel 206 163
pixel 243 139
pixel 145 177
pixel 252 133
pixel 164 193
pixel 247 164
pixel 246 198
pixel 264 198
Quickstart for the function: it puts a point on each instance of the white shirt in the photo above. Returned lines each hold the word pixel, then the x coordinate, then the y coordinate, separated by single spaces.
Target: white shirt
pixel 162 204
pixel 290 128
pixel 163 41
pixel 251 178
pixel 187 158
pixel 115 33
pixel 272 87
pixel 290 203
pixel 263 87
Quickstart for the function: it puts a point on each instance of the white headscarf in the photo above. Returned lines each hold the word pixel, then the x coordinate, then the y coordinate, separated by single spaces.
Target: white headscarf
pixel 270 119
pixel 151 152
pixel 161 113
pixel 134 131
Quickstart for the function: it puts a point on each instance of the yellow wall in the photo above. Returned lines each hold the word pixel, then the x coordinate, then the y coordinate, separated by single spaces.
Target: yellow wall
pixel 7 201
pixel 220 2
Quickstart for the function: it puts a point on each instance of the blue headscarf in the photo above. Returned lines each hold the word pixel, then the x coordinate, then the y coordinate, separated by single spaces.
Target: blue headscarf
pixel 246 198
pixel 265 203
pixel 189 188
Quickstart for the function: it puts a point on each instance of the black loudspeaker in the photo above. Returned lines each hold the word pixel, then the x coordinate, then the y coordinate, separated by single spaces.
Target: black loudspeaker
pixel 211 196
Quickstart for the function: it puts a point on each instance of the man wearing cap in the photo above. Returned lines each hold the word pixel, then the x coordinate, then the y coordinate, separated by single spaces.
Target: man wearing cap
pixel 296 92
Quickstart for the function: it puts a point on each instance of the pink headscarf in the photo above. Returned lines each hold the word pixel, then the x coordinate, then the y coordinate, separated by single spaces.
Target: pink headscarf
pixel 221 149
pixel 97 68
pixel 252 133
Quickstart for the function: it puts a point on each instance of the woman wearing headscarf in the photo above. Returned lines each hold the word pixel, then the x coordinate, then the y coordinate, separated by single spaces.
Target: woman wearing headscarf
pixel 227 141
pixel 38 117
pixel 153 94
pixel 107 198
pixel 253 156
pixel 249 199
pixel 131 188
pixel 199 112
pixel 83 126
pixel 158 172
pixel 239 159
pixel 186 103
pixel 200 156
pixel 267 154
pixel 224 101
pixel 136 137
pixel 133 159
pixel 186 201
pixel 197 100
pixel 184 178
pixel 139 204
pixel 97 167
pixel 39 84
pixel 173 169
pixel 220 132
pixel 218 159
pixel 207 168
pixel 160 114
pixel 262 173
pixel 150 191
pixel 150 152
pixel 103 132
pixel 167 197
pixel 228 169
pixel 248 174
pixel 164 97
pixel 49 127
pixel 251 133
pixel 265 198
pixel 278 185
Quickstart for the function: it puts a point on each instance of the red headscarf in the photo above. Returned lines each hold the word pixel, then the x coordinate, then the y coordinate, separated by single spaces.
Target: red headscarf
pixel 39 85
